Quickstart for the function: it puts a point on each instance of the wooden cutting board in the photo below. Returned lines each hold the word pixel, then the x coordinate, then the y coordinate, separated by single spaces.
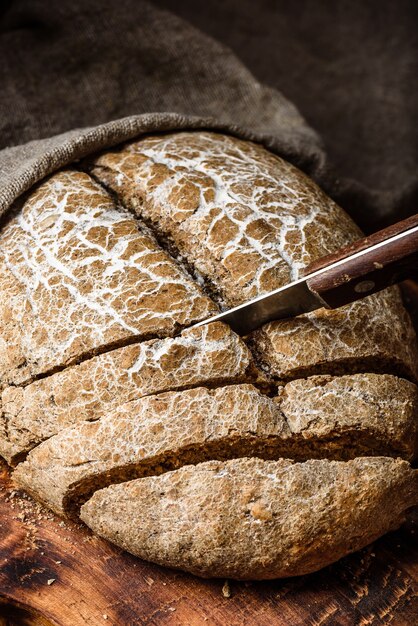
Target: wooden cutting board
pixel 56 572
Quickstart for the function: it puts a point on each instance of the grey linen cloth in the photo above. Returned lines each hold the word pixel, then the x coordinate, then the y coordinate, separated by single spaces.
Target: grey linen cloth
pixel 77 76
pixel 80 76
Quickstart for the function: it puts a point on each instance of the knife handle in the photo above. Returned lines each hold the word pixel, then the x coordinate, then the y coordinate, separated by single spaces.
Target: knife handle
pixel 394 259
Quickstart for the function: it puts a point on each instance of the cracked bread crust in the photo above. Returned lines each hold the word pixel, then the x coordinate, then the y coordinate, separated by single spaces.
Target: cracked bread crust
pixel 77 273
pixel 209 355
pixel 255 519
pixel 362 337
pixel 103 269
pixel 337 418
pixel 247 222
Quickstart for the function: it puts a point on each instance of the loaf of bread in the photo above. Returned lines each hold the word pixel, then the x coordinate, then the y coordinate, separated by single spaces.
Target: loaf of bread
pixel 258 457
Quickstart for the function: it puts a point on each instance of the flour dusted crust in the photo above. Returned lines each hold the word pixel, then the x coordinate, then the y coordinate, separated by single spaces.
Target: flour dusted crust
pixel 363 336
pixel 246 220
pixel 250 518
pixel 248 223
pixel 211 354
pixel 285 445
pixel 76 273
pixel 337 418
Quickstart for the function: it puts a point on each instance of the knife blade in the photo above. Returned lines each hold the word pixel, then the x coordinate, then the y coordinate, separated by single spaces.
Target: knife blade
pixel 359 270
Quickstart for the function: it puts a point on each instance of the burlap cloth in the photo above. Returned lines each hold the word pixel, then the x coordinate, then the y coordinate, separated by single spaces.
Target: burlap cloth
pixel 79 75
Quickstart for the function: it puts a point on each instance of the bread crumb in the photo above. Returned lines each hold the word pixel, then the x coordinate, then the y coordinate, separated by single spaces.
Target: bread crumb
pixel 50 581
pixel 104 616
pixel 226 590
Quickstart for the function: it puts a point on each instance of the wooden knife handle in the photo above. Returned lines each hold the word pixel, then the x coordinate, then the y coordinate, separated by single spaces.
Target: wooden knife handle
pixel 391 262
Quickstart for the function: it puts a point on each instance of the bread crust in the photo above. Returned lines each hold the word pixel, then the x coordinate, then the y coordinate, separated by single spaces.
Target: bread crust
pixel 322 417
pixel 248 222
pixel 249 458
pixel 245 220
pixel 78 273
pixel 255 519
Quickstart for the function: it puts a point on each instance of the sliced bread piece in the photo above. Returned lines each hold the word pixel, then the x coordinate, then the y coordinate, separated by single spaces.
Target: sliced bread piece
pixel 255 519
pixel 371 335
pixel 208 355
pixel 337 418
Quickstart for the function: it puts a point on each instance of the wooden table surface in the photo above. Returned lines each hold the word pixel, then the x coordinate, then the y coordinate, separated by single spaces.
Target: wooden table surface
pixel 56 572
pixel 62 574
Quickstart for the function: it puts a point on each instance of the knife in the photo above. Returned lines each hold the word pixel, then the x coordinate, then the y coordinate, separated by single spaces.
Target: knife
pixel 354 272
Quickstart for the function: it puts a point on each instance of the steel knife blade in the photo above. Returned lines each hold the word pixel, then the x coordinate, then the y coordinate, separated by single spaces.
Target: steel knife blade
pixel 363 268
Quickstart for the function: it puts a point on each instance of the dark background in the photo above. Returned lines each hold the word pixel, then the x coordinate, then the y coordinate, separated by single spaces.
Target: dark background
pixel 351 67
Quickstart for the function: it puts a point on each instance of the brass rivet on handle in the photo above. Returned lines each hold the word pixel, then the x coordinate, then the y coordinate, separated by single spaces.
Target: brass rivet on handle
pixel 364 286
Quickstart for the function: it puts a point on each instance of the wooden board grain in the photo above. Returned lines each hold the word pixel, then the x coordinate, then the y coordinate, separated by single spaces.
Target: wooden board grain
pixel 58 573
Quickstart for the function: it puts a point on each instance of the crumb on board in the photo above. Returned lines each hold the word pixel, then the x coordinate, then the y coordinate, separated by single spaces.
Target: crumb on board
pixel 226 590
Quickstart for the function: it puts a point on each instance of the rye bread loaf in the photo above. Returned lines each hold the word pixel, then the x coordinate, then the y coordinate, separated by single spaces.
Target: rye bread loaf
pixel 104 268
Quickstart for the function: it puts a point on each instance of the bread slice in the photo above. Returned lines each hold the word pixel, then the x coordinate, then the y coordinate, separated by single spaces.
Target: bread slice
pixel 352 415
pixel 255 519
pixel 363 337
pixel 209 355
pixel 337 418
pixel 78 273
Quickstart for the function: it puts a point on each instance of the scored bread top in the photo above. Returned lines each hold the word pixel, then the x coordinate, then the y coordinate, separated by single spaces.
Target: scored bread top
pixel 80 274
pixel 102 381
pixel 76 273
pixel 248 222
